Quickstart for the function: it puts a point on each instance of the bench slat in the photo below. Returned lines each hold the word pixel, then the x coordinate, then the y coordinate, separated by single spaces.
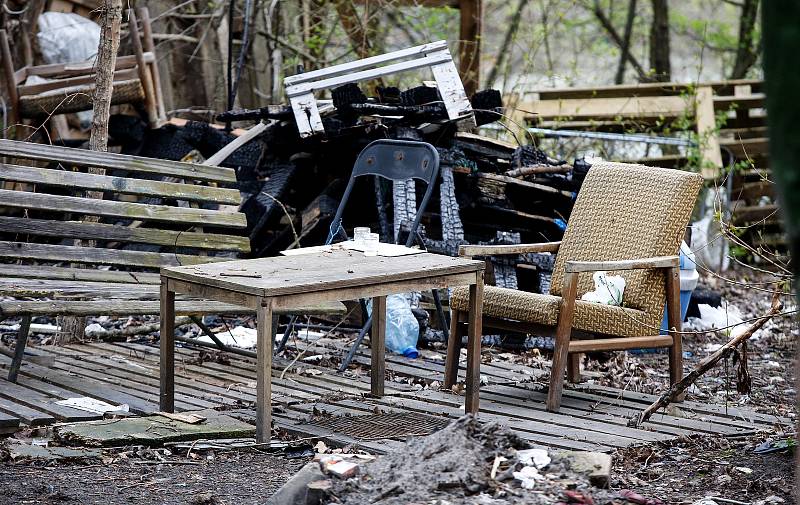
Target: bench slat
pixel 83 157
pixel 144 308
pixel 100 231
pixel 77 274
pixel 142 187
pixel 62 253
pixel 142 211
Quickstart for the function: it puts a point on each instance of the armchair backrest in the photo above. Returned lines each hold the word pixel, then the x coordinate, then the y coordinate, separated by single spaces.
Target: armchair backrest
pixel 626 211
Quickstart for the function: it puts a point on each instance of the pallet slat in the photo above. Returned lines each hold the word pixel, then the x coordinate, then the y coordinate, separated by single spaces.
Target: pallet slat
pixel 124 210
pixel 136 164
pixel 125 185
pixel 100 231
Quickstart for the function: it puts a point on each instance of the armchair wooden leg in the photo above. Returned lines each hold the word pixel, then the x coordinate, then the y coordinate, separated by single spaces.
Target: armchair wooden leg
pixel 574 367
pixel 563 332
pixel 675 325
pixel 453 349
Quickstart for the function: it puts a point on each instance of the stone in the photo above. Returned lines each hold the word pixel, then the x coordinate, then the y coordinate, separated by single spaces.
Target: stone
pixel 595 465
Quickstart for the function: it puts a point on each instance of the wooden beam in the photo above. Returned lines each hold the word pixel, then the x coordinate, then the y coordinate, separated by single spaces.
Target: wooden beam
pixel 710 155
pixel 469 44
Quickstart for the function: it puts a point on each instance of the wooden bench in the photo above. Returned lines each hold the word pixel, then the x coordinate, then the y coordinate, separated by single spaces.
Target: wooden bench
pixel 64 253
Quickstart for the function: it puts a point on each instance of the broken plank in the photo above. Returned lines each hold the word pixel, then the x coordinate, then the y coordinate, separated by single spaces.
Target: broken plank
pixel 29 416
pixel 96 255
pixel 43 403
pixel 139 235
pixel 152 430
pixel 124 210
pixel 125 185
pixel 77 274
pixel 136 164
pixel 85 386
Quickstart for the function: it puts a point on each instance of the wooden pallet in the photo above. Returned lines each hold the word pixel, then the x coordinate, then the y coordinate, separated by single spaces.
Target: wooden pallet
pixel 591 418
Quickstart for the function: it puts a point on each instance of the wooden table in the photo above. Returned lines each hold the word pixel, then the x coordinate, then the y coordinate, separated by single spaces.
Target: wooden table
pixel 269 284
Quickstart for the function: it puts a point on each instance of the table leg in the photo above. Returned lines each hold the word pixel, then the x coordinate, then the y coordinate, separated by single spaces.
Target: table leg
pixel 377 339
pixel 167 340
pixel 474 344
pixel 264 372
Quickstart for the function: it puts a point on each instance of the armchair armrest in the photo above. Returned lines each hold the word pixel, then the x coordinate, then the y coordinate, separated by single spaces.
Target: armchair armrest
pixel 637 264
pixel 498 250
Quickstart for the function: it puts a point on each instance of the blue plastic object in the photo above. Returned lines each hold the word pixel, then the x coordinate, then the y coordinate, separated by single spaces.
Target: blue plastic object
pixel 402 328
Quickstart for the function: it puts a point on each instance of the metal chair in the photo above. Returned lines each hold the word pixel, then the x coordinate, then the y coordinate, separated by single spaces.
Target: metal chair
pixel 396 160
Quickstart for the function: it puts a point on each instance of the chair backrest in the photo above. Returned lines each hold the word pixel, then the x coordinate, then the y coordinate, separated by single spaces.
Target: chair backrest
pixel 41 208
pixel 396 160
pixel 626 211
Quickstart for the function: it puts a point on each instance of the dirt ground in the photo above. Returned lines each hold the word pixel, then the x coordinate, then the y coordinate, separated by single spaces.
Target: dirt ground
pixel 231 478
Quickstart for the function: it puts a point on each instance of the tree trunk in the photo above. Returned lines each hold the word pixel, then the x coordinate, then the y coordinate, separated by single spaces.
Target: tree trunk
pixel 612 32
pixel 746 50
pixel 502 54
pixel 626 43
pixel 781 38
pixel 659 42
pixel 72 328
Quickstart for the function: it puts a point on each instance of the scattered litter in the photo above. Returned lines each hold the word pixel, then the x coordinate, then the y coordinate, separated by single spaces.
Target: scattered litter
pixel 608 289
pixel 534 457
pixel 92 405
pixel 240 336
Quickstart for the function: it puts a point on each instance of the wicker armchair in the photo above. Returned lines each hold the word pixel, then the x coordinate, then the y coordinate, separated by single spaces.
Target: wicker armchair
pixel 629 220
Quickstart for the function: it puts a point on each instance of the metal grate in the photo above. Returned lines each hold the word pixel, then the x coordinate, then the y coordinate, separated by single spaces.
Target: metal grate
pixel 380 426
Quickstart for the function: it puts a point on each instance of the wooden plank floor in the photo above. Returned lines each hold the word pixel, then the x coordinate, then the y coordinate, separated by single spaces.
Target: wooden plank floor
pixel 591 417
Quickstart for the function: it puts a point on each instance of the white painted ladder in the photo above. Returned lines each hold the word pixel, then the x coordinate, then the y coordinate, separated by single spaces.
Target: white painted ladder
pixel 300 88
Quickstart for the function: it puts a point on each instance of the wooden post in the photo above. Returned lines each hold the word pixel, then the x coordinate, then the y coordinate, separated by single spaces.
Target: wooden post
pixel 474 345
pixel 19 350
pixel 145 76
pixel 674 324
pixel 8 70
pixel 264 371
pixel 150 47
pixel 377 342
pixel 469 45
pixel 453 350
pixel 563 333
pixel 167 348
pixel 710 155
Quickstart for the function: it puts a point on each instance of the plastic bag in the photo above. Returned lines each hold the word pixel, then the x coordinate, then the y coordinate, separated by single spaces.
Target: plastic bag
pixel 65 37
pixel 402 328
pixel 608 289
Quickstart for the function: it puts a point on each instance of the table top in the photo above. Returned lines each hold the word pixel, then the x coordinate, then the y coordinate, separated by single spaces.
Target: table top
pixel 284 275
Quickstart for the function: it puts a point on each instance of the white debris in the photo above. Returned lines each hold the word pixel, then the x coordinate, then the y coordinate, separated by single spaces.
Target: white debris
pixel 726 316
pixel 240 336
pixel 92 405
pixel 528 477
pixel 534 457
pixel 95 328
pixel 608 289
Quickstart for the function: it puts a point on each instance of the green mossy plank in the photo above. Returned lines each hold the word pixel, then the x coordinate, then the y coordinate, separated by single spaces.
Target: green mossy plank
pixel 152 430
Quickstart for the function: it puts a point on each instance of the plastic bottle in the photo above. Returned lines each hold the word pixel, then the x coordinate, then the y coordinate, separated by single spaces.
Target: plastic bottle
pixel 402 328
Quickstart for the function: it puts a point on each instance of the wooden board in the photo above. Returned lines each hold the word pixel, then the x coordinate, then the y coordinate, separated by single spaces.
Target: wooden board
pixel 141 235
pixel 124 210
pixel 591 418
pixel 136 164
pixel 125 185
pixel 96 255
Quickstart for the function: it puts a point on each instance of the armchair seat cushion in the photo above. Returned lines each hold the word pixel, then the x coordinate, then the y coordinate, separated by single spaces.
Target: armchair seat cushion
pixel 543 309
